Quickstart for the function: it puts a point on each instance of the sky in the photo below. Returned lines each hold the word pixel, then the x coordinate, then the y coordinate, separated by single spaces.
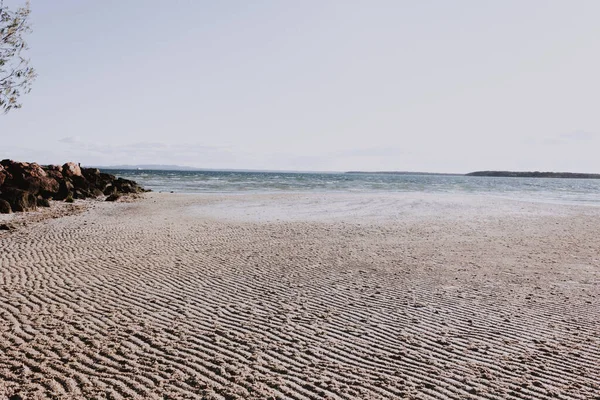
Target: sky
pixel 323 85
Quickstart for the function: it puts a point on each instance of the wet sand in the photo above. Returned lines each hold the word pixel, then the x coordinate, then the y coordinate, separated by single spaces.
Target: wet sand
pixel 303 296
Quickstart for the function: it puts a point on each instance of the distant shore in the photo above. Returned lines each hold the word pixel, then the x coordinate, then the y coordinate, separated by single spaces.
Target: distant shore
pixel 403 173
pixel 535 174
pixel 503 174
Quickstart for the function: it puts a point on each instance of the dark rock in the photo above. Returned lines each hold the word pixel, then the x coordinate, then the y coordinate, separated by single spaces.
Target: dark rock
pixel 48 187
pixel 19 200
pixel 4 174
pixel 54 171
pixel 81 194
pixel 65 190
pixel 110 189
pixel 105 180
pixel 23 186
pixel 91 174
pixel 126 186
pixel 30 177
pixel 82 186
pixel 42 202
pixel 70 170
pixel 97 179
pixel 5 207
pixel 6 227
pixel 113 197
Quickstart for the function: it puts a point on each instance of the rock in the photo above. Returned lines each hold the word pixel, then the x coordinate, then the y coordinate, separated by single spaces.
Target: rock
pixel 30 177
pixel 42 202
pixel 65 190
pixel 81 194
pixel 104 181
pixel 3 174
pixel 48 187
pixel 97 179
pixel 126 186
pixel 70 170
pixel 82 187
pixel 91 174
pixel 6 227
pixel 54 171
pixel 19 200
pixel 5 207
pixel 23 185
pixel 110 189
pixel 113 197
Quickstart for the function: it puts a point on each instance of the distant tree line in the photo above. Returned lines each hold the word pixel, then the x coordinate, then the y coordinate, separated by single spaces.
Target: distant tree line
pixel 535 174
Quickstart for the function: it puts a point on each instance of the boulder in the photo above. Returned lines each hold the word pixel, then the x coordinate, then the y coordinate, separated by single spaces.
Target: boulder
pixel 97 179
pixel 42 202
pixel 70 170
pixel 6 227
pixel 24 186
pixel 65 190
pixel 113 197
pixel 91 174
pixel 81 194
pixel 109 189
pixel 81 184
pixel 3 174
pixel 126 186
pixel 54 172
pixel 5 207
pixel 19 200
pixel 30 177
pixel 48 187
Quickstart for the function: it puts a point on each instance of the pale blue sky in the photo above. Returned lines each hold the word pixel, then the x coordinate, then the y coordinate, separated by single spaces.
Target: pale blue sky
pixel 447 86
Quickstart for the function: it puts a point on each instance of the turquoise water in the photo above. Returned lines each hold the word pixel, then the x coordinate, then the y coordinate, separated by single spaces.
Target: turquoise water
pixel 578 191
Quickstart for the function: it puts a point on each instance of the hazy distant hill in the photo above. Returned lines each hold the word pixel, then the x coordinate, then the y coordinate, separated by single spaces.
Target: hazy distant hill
pixel 400 173
pixel 156 167
pixel 535 174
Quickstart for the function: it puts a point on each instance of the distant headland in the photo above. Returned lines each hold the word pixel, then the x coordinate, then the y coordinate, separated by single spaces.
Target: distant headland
pixel 401 173
pixel 152 167
pixel 535 174
pixel 503 174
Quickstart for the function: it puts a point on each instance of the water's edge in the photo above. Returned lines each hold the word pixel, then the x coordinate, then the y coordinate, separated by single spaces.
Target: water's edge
pixel 555 190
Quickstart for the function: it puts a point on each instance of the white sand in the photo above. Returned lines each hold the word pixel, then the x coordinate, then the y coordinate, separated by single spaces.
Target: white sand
pixel 341 296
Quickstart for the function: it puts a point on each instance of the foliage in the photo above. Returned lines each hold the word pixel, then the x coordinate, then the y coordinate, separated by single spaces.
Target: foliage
pixel 16 75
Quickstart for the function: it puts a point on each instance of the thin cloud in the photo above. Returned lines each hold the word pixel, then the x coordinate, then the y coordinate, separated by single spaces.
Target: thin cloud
pixel 373 152
pixel 192 154
pixel 563 139
pixel 69 139
pixel 579 135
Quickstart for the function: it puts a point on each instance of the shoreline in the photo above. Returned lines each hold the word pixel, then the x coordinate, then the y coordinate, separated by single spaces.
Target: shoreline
pixel 164 297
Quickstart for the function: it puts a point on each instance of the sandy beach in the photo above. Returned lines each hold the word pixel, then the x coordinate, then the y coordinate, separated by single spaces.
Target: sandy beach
pixel 302 296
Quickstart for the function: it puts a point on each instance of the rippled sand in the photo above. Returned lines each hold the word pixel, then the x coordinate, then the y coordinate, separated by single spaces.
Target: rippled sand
pixel 304 296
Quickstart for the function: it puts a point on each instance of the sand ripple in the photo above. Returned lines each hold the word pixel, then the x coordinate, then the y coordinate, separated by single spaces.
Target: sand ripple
pixel 148 301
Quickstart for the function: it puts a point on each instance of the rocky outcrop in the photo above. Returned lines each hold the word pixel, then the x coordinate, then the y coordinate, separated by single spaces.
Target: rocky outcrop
pixel 24 186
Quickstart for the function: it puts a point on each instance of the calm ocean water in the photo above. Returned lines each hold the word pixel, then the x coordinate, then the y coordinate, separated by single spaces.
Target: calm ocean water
pixel 571 191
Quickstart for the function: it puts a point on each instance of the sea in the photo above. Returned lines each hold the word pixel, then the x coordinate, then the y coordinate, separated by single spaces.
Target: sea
pixel 551 190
